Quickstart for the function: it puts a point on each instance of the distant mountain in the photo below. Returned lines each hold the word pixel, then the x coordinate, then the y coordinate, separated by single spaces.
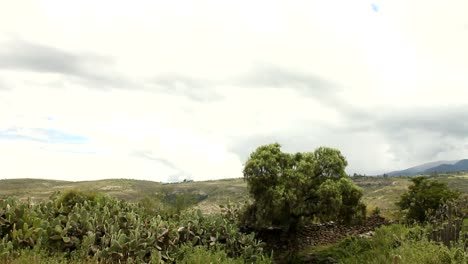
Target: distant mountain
pixel 431 167
pixel 461 165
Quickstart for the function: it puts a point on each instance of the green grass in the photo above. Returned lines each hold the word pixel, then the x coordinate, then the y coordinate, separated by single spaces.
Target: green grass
pixel 38 257
pixel 191 255
pixel 383 193
pixel 407 244
pixel 456 181
pixel 201 255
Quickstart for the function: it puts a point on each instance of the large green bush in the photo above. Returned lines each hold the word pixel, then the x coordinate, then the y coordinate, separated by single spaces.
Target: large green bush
pixel 287 188
pixel 424 197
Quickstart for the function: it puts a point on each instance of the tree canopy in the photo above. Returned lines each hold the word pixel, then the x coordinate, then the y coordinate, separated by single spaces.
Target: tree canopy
pixel 424 197
pixel 287 188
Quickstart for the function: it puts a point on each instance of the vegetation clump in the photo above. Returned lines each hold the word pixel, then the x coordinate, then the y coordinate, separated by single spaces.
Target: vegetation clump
pixel 92 228
pixel 290 188
pixel 424 198
pixel 391 244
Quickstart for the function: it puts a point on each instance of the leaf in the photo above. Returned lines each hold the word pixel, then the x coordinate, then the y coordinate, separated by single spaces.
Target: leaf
pixel 56 237
pixel 58 229
pixel 195 240
pixel 66 239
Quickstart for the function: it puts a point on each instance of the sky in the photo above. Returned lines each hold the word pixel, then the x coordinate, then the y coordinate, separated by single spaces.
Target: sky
pixel 173 90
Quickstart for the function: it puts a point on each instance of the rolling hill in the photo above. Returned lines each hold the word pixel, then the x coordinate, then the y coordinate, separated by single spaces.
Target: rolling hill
pixel 380 192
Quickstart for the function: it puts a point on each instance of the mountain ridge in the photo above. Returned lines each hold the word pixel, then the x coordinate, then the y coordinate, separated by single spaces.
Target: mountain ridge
pixel 433 167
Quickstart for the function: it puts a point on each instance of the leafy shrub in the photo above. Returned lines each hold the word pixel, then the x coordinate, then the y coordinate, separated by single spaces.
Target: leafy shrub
pixel 424 198
pixel 289 188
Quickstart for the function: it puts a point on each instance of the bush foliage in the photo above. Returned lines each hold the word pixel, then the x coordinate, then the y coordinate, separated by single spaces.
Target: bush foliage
pixel 287 188
pixel 91 227
pixel 424 198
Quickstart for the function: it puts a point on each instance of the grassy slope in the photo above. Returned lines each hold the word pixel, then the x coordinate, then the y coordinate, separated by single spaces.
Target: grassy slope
pixel 378 192
pixel 218 192
pixel 385 192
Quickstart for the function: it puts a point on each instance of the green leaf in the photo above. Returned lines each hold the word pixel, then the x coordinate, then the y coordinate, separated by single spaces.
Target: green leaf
pixel 58 229
pixel 56 237
pixel 195 240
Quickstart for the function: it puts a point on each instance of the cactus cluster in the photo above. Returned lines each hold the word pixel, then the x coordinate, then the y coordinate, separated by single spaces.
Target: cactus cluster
pixel 450 231
pixel 116 231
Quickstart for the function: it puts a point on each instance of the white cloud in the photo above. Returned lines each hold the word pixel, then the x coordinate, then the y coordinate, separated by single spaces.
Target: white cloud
pixel 29 160
pixel 404 57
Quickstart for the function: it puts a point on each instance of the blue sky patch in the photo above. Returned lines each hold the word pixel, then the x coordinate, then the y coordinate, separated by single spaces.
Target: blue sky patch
pixel 43 135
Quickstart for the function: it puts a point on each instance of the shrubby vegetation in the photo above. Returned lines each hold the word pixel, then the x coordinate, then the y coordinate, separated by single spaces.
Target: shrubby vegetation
pixel 290 188
pixel 393 244
pixel 90 227
pixel 424 198
pixel 168 204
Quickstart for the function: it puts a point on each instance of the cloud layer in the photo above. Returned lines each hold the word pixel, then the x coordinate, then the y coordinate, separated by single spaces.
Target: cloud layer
pixel 173 91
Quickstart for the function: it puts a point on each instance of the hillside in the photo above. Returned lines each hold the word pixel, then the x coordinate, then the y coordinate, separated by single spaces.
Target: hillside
pixel 461 165
pixel 216 192
pixel 378 191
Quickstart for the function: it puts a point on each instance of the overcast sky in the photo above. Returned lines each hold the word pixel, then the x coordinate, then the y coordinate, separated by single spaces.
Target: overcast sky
pixel 173 90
